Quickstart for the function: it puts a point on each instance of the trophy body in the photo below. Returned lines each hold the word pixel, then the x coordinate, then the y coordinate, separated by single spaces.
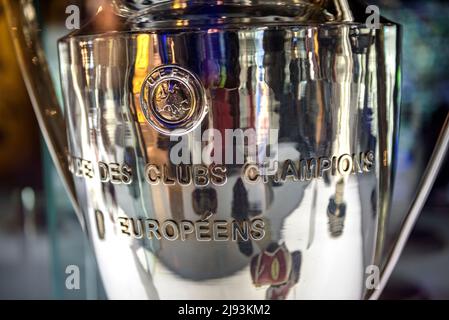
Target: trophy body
pixel 233 160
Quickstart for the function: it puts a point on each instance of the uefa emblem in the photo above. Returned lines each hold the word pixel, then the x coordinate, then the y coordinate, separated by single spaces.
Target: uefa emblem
pixel 173 100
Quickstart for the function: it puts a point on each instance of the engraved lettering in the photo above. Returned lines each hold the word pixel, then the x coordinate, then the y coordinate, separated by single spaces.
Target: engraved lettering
pixel 220 230
pixel 240 229
pixel 78 167
pixel 88 169
pixel 137 228
pixel 124 224
pixel 257 229
pixel 202 231
pixel 369 161
pixel 308 169
pixel 200 173
pixel 103 169
pixel 345 164
pixel 153 229
pixel 114 173
pixel 170 230
pixel 168 181
pixel 357 163
pixel 187 227
pixel 127 176
pixel 251 174
pixel 184 175
pixel 218 175
pixel 323 166
pixel 152 174
pixel 289 171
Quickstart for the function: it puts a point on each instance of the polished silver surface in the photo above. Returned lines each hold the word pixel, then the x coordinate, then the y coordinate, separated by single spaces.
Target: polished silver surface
pixel 424 189
pixel 23 26
pixel 237 150
pixel 323 96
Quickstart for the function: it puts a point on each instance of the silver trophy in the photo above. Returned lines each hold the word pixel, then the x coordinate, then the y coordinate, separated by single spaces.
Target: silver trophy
pixel 228 150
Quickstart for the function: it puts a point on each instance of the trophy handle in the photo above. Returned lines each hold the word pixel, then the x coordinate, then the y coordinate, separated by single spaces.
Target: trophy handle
pixel 22 21
pixel 424 188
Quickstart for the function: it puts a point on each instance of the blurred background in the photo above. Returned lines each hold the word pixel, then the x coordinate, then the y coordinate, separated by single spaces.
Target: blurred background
pixel 39 233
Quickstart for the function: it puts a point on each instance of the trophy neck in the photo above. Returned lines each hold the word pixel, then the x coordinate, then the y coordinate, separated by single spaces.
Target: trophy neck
pixel 163 13
pixel 157 15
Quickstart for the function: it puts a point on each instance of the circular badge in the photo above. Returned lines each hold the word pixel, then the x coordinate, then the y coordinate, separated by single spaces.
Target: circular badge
pixel 173 100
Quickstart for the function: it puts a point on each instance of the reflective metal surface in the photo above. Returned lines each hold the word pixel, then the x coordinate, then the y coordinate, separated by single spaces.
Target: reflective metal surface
pixel 22 21
pixel 319 99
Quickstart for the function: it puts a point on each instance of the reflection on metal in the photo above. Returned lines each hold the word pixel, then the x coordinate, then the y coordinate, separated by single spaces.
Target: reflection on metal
pixel 99 218
pixel 318 87
pixel 309 70
pixel 23 26
pixel 424 189
pixel 336 211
